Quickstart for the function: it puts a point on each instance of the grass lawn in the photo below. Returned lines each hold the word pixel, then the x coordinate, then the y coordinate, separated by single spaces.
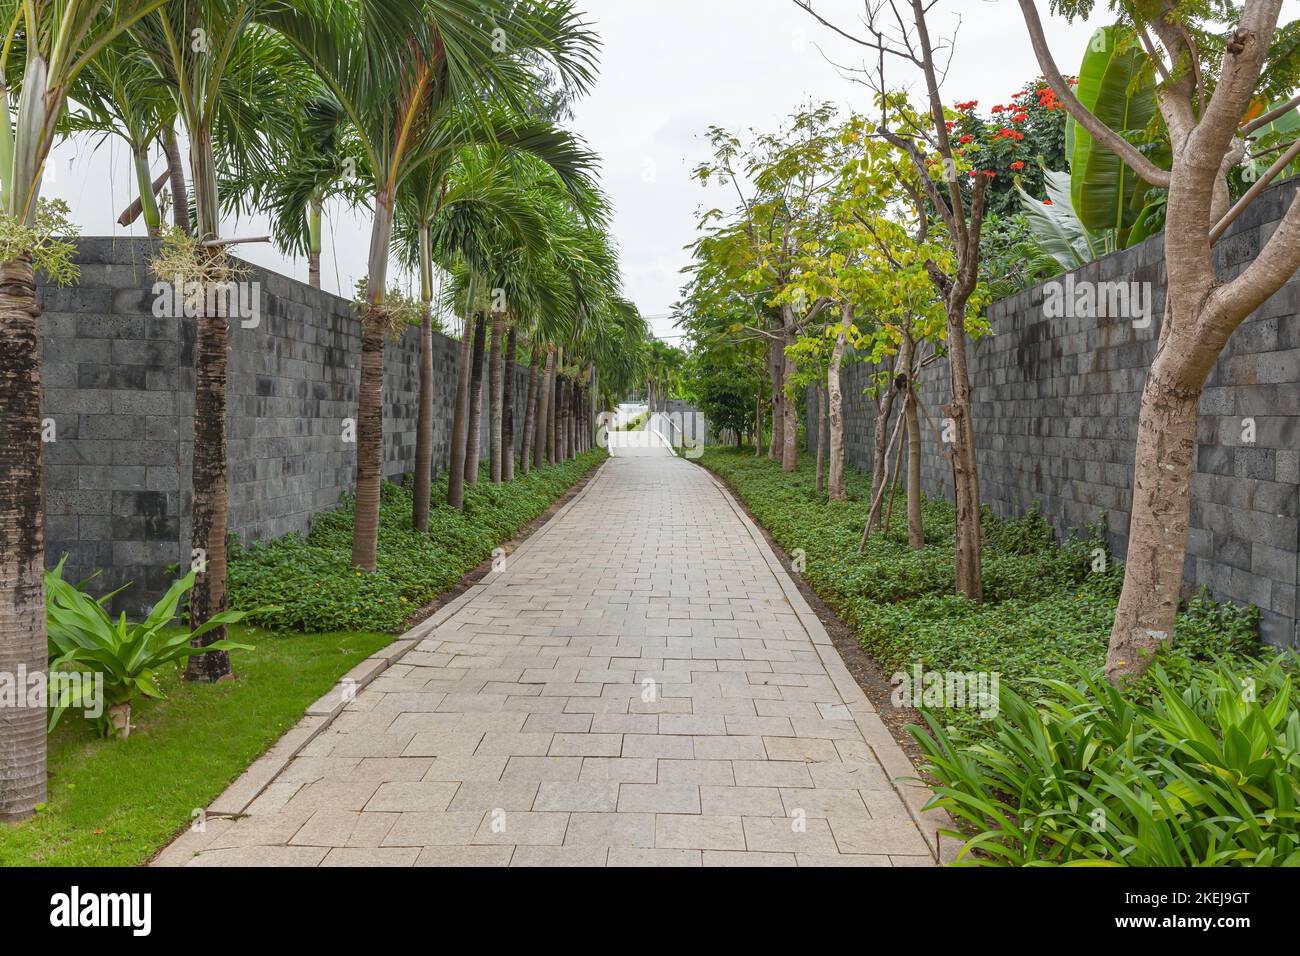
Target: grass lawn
pixel 116 802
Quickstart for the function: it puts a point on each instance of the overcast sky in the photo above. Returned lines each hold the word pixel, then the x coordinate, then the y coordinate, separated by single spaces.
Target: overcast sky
pixel 669 70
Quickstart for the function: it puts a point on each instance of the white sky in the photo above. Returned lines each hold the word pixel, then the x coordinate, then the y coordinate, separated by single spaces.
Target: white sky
pixel 669 70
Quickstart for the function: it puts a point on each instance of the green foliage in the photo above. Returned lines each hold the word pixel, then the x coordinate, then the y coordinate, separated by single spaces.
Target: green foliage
pixel 315 588
pixel 49 241
pixel 1048 608
pixel 1198 770
pixel 1115 83
pixel 1055 225
pixel 82 636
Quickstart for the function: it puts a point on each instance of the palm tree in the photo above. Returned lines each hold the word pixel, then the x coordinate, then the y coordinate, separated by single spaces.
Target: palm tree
pixel 118 94
pixel 221 68
pixel 55 40
pixel 319 162
pixel 400 73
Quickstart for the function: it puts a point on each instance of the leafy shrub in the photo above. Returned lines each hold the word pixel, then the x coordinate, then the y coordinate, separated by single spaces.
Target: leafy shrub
pixel 314 587
pixel 1046 609
pixel 82 635
pixel 1208 774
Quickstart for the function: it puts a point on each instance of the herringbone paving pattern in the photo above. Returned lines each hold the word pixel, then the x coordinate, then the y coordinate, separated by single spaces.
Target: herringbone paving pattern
pixel 633 687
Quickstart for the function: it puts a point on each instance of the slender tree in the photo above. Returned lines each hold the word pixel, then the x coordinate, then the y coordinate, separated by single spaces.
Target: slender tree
pixel 1206 90
pixel 51 43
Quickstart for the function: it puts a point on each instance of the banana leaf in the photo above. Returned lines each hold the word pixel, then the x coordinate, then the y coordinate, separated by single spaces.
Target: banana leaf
pixel 1115 84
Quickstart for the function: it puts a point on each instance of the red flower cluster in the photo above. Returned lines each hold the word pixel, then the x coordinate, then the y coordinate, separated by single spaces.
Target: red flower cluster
pixel 966 139
pixel 1006 133
pixel 1017 166
pixel 1047 98
pixel 1020 117
pixel 966 107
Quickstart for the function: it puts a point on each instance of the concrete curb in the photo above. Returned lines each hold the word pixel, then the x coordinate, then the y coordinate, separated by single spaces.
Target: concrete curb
pixel 902 774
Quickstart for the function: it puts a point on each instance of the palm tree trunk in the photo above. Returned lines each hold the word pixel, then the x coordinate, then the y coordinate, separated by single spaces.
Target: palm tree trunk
pixel 473 447
pixel 424 415
pixel 148 202
pixel 460 416
pixel 544 409
pixel 314 214
pixel 552 456
pixel 508 407
pixel 22 539
pixel 562 422
pixel 530 414
pixel 370 399
pixel 496 397
pixel 209 514
pixel 176 169
pixel 208 509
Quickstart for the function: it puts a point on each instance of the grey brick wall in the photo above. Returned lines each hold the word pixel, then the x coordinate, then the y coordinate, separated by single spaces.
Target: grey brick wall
pixel 119 386
pixel 1056 407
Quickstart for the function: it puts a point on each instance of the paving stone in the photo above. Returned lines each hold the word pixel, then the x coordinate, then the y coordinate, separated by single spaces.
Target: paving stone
pixel 699 832
pixel 516 729
pixel 408 796
pixel 611 829
pixel 659 798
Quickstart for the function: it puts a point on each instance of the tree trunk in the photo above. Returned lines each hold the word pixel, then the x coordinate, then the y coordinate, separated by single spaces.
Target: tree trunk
pixel 424 414
pixel 878 462
pixel 915 529
pixel 564 401
pixel 530 413
pixel 209 514
pixel 776 369
pixel 758 422
pixel 820 415
pixel 22 539
pixel 473 447
pixel 544 409
pixel 314 216
pixel 208 508
pixel 133 212
pixel 912 423
pixel 496 396
pixel 1162 482
pixel 508 407
pixel 148 202
pixel 460 417
pixel 176 169
pixel 575 394
pixel 370 401
pixel 970 576
pixel 790 412
pixel 835 480
pixel 552 456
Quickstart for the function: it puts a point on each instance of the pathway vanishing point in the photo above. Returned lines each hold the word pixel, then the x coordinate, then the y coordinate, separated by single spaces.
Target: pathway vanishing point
pixel 642 684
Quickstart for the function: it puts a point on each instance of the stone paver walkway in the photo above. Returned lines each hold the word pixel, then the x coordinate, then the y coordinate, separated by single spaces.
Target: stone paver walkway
pixel 640 685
